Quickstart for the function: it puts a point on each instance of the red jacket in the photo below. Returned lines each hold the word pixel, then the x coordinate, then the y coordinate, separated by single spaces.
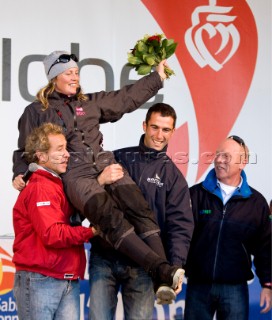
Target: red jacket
pixel 44 241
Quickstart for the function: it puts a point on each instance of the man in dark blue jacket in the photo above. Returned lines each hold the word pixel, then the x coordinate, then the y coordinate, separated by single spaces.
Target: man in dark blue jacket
pixel 232 223
pixel 167 193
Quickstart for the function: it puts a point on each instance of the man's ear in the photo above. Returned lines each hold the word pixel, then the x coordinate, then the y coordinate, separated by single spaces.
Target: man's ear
pixel 144 126
pixel 42 157
pixel 243 161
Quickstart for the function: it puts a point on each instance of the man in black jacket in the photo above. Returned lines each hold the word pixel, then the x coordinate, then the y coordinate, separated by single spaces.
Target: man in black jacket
pixel 232 223
pixel 167 193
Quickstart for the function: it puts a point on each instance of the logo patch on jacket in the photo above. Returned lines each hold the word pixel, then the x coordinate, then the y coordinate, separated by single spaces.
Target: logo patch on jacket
pixel 205 211
pixel 80 111
pixel 43 203
pixel 156 180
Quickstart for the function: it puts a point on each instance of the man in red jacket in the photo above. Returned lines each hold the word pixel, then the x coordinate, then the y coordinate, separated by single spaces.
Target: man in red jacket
pixel 48 253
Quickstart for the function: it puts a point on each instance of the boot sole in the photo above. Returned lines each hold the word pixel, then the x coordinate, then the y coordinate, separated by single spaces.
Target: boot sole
pixel 165 295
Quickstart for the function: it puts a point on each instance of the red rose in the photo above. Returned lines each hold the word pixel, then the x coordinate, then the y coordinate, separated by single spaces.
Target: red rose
pixel 154 38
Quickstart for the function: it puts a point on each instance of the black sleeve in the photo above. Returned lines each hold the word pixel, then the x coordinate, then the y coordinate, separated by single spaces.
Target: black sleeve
pixel 26 123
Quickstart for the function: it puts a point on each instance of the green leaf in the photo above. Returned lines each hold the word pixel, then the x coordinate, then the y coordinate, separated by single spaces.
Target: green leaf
pixel 144 69
pixel 149 59
pixel 141 46
pixel 138 54
pixel 134 60
pixel 164 43
pixel 168 42
pixel 150 49
pixel 163 54
pixel 170 49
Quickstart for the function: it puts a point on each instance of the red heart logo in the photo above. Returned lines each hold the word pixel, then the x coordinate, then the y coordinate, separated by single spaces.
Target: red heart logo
pixel 217 50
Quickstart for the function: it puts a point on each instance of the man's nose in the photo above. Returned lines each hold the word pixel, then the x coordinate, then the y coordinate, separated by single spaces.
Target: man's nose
pixel 159 134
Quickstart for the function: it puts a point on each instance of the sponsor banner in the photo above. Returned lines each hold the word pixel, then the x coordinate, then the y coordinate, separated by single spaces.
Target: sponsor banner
pixel 174 311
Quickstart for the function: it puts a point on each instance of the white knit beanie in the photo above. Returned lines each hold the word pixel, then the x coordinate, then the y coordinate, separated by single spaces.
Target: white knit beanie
pixel 58 68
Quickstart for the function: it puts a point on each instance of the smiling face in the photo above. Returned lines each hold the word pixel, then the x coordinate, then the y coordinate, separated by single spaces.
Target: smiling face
pixel 68 82
pixel 56 158
pixel 158 131
pixel 229 161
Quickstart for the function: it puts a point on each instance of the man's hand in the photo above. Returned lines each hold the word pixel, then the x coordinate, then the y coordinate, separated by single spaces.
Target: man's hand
pixel 18 183
pixel 95 230
pixel 110 174
pixel 266 300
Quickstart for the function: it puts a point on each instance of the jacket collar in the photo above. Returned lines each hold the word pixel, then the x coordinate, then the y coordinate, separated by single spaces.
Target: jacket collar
pixel 57 96
pixel 150 153
pixel 49 170
pixel 210 184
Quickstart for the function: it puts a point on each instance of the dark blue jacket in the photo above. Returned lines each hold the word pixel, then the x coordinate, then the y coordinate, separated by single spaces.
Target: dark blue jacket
pixel 167 193
pixel 226 236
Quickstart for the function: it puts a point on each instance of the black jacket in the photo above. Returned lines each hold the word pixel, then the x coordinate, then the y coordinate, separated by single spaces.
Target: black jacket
pixel 167 193
pixel 226 236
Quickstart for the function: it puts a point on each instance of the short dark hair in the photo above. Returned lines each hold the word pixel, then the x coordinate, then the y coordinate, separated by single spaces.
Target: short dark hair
pixel 37 140
pixel 164 109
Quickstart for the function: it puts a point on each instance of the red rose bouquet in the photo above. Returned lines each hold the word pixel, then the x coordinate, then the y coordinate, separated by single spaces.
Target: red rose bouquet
pixel 149 52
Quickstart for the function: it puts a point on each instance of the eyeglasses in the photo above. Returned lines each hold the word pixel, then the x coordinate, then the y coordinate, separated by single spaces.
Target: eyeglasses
pixel 64 58
pixel 241 142
pixel 238 140
pixel 225 157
